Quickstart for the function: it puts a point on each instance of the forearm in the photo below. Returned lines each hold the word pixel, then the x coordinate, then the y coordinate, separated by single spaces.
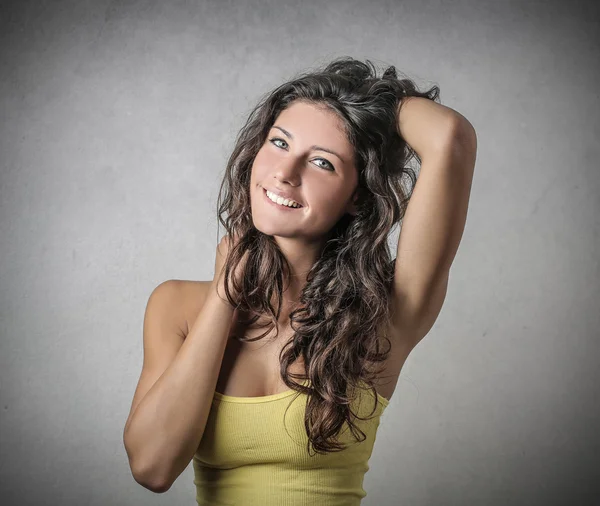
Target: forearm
pixel 426 125
pixel 169 422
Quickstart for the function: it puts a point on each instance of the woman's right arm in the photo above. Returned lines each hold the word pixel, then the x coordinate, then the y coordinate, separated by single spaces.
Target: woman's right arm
pixel 176 387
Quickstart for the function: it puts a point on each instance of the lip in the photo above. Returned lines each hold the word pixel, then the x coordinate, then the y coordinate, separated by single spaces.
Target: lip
pixel 278 206
pixel 283 194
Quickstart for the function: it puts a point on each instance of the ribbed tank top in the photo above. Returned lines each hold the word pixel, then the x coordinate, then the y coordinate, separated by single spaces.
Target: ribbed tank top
pixel 254 453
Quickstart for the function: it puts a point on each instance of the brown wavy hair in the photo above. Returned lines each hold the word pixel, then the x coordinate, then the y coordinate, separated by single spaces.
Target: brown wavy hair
pixel 344 304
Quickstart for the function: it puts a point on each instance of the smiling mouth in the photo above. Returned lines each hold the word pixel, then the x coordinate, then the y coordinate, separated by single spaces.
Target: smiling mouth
pixel 283 206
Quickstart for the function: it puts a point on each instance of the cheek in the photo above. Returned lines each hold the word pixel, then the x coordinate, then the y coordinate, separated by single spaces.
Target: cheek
pixel 262 161
pixel 265 156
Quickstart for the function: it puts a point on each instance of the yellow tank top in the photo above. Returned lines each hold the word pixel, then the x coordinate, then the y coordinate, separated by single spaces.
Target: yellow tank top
pixel 254 453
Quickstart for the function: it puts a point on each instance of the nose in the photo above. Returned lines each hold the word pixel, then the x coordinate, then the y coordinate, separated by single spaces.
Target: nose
pixel 288 170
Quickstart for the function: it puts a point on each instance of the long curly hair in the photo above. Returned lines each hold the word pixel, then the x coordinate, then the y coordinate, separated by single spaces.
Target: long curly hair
pixel 341 318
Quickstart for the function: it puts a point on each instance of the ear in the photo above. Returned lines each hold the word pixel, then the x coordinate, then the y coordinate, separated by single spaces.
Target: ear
pixel 351 208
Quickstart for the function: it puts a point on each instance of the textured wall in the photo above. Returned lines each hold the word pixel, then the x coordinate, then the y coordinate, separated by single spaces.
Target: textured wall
pixel 116 120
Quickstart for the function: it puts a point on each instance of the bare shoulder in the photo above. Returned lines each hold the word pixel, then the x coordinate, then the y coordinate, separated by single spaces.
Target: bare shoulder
pixel 191 297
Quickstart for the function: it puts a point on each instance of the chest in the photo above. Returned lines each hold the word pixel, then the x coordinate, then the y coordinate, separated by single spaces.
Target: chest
pixel 252 368
pixel 251 364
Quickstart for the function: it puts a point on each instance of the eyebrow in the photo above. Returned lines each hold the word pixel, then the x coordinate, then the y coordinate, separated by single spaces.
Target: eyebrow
pixel 320 148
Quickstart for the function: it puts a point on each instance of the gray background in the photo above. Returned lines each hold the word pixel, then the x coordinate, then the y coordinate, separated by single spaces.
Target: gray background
pixel 117 119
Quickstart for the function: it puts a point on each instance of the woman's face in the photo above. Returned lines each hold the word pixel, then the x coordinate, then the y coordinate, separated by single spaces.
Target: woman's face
pixel 297 160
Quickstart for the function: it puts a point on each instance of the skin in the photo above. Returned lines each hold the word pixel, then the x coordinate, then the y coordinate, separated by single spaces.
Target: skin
pixel 325 184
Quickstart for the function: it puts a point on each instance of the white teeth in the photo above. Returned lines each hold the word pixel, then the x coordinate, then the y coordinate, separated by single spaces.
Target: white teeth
pixel 281 200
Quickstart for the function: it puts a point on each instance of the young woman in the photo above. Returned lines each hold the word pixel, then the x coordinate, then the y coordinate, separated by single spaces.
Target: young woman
pixel 316 182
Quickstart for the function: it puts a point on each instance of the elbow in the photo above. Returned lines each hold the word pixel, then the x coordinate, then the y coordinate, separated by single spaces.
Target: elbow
pixel 147 476
pixel 150 481
pixel 464 136
pixel 159 488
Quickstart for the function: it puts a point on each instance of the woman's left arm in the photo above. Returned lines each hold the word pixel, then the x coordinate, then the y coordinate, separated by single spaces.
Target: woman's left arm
pixel 436 214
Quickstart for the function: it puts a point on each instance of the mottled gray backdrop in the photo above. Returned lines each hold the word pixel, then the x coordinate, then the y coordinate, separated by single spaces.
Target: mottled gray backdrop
pixel 116 121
